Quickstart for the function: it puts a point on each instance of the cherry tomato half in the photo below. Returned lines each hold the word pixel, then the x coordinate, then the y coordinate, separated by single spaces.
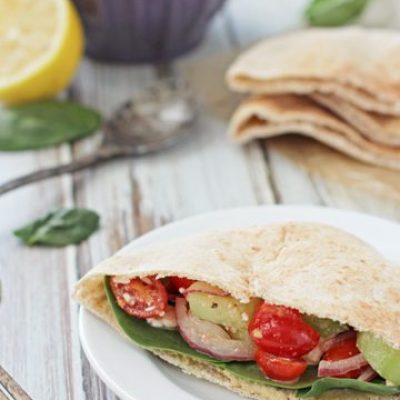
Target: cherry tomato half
pixel 279 368
pixel 282 332
pixel 180 283
pixel 143 299
pixel 341 351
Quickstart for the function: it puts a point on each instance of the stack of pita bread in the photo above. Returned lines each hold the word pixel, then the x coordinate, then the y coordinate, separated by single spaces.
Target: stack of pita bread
pixel 339 86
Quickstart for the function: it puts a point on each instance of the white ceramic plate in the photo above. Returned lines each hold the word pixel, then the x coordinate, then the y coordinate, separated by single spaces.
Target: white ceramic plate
pixel 134 374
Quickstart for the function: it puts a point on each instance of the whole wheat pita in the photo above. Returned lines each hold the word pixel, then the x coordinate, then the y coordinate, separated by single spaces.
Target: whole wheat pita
pixel 376 127
pixel 358 65
pixel 269 116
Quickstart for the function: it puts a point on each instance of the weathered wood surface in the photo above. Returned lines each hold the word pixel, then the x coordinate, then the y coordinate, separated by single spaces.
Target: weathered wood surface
pixel 39 344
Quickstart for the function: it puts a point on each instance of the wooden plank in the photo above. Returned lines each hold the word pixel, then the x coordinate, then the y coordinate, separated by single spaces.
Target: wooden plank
pixel 343 182
pixel 289 184
pixel 292 185
pixel 218 103
pixel 106 189
pixel 35 286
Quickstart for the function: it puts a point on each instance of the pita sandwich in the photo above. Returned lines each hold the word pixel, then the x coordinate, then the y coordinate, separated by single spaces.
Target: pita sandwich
pixel 269 116
pixel 316 270
pixel 379 128
pixel 359 66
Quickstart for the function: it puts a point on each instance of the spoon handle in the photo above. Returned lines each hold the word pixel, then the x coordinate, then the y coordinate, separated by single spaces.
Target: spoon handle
pixel 9 388
pixel 103 154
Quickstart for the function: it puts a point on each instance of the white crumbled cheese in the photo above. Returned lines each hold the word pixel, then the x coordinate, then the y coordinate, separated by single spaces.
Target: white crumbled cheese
pixel 122 279
pixel 245 317
pixel 128 298
pixel 167 321
pixel 155 322
pixel 389 383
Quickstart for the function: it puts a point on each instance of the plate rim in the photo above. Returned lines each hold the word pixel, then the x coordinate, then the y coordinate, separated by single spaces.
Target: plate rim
pixel 282 207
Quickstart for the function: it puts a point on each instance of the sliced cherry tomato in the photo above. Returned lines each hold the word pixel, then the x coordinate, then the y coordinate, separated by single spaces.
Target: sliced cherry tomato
pixel 180 283
pixel 279 368
pixel 281 331
pixel 141 298
pixel 341 351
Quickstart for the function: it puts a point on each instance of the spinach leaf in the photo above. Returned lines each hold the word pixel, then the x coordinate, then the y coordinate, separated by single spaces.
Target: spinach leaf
pixel 333 12
pixel 320 386
pixel 60 228
pixel 144 335
pixel 46 123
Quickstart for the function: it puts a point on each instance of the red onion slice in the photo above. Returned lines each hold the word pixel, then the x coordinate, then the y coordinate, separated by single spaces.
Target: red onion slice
pixel 334 368
pixel 327 344
pixel 315 355
pixel 209 338
pixel 367 375
pixel 202 287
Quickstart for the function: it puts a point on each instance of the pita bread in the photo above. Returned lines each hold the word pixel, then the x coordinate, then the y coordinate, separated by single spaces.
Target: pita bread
pixel 376 127
pixel 361 66
pixel 269 116
pixel 315 268
pixel 252 390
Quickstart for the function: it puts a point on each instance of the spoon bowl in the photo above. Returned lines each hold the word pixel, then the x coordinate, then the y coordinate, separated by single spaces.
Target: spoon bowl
pixel 155 118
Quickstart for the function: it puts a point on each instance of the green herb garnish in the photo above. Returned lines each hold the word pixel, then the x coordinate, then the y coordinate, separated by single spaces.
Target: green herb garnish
pixel 60 228
pixel 46 123
pixel 322 385
pixel 334 12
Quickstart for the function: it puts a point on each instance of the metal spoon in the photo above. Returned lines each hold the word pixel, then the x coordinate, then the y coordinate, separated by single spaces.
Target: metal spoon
pixel 10 389
pixel 152 120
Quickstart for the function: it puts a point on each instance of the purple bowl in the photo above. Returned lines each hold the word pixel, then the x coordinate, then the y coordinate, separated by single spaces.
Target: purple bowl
pixel 144 30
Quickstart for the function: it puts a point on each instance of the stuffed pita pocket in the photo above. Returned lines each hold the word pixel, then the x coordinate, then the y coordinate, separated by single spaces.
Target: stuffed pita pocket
pixel 269 312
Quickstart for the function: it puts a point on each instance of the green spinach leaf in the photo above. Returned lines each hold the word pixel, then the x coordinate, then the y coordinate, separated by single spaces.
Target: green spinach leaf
pixel 60 228
pixel 46 123
pixel 334 12
pixel 144 335
pixel 321 386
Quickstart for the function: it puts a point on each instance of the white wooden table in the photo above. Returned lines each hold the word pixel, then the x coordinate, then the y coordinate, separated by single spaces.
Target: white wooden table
pixel 39 343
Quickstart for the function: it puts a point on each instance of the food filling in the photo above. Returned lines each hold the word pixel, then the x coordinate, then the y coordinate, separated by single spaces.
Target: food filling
pixel 282 341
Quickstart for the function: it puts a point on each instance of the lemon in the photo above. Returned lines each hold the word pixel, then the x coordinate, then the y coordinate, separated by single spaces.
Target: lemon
pixel 41 43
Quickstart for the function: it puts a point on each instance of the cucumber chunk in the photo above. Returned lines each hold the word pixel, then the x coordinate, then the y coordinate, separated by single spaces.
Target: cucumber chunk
pixel 324 326
pixel 383 358
pixel 224 310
